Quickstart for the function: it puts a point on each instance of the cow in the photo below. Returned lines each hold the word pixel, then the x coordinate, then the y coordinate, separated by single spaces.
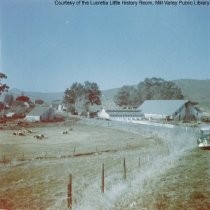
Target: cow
pixel 39 136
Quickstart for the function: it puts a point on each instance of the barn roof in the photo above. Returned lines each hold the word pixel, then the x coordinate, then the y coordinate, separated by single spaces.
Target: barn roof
pixel 39 110
pixel 125 112
pixel 161 107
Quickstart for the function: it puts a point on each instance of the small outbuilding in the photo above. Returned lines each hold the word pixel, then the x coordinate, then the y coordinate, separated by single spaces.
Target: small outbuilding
pixel 103 115
pixel 170 110
pixel 58 105
pixel 40 113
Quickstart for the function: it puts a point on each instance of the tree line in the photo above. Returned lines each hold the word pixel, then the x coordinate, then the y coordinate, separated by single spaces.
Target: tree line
pixel 83 95
pixel 79 97
pixel 150 89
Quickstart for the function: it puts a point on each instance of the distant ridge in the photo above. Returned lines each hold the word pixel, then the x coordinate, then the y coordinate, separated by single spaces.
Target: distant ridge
pixel 47 97
pixel 192 89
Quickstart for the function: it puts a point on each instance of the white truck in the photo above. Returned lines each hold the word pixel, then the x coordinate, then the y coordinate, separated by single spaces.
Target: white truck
pixel 204 138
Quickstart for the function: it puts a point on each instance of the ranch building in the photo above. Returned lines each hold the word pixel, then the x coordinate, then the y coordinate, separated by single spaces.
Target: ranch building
pixel 121 114
pixel 170 110
pixel 40 113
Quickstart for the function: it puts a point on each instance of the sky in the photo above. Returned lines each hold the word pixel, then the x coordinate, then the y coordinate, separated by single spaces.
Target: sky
pixel 46 47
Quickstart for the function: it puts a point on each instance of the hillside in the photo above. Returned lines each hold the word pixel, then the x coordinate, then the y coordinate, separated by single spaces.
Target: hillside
pixel 192 89
pixel 47 97
pixel 197 90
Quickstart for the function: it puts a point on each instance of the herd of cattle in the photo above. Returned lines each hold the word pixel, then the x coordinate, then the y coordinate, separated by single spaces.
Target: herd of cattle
pixel 24 132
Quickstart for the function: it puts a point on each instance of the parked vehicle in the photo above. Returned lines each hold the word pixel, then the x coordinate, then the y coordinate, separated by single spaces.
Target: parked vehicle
pixel 204 138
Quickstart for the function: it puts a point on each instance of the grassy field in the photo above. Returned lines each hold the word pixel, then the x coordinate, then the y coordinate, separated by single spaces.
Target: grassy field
pixel 184 186
pixel 35 173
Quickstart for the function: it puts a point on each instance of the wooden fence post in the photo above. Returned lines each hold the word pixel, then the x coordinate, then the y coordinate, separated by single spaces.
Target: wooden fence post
pixel 69 198
pixel 124 171
pixel 4 160
pixel 102 179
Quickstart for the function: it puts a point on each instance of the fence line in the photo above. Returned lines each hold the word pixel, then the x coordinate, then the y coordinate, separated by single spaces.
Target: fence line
pixel 69 197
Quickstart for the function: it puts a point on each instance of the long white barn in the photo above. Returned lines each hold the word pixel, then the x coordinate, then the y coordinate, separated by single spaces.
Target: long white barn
pixel 121 115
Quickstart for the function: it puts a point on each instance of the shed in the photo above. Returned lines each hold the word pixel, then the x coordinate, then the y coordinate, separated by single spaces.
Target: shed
pixel 170 109
pixel 40 113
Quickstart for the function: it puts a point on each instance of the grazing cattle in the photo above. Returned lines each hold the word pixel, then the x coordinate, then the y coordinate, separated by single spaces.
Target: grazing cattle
pixel 19 133
pixel 66 131
pixel 39 136
pixel 22 132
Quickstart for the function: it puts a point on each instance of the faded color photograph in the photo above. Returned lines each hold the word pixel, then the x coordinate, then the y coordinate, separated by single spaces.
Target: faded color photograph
pixel 104 105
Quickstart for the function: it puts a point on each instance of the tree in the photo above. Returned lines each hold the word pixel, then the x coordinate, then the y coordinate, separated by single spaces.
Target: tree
pixel 74 93
pixel 151 88
pixel 93 93
pixel 158 88
pixel 169 90
pixel 81 96
pixel 8 99
pixel 127 96
pixel 3 87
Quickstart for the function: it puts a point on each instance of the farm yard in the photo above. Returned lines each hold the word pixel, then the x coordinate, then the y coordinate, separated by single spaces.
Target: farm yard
pixel 104 105
pixel 145 167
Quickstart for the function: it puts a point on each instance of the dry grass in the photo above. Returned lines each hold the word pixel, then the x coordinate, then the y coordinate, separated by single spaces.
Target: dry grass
pixel 186 186
pixel 37 177
pixel 40 180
